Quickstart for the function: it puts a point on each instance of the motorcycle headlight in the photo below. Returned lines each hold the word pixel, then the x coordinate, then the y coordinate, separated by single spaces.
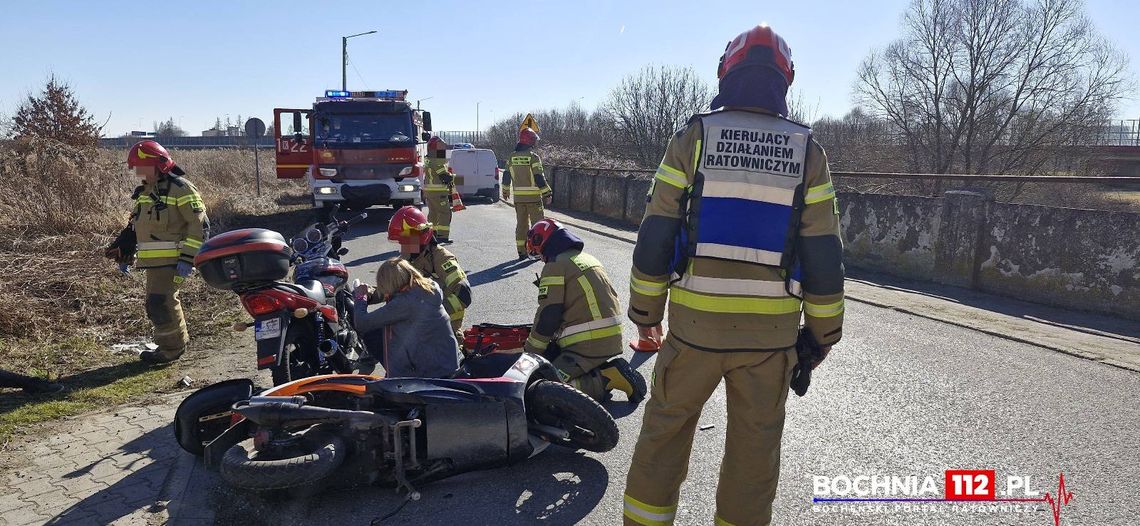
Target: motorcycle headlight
pixel 313 235
pixel 300 245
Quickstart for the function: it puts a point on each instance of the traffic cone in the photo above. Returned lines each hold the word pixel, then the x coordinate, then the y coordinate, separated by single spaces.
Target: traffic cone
pixel 456 201
pixel 646 344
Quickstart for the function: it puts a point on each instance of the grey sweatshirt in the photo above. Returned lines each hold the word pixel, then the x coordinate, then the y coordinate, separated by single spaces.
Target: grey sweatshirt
pixel 422 343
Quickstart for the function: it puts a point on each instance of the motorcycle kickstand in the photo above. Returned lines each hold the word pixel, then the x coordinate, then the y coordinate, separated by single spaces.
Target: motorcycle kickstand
pixel 401 430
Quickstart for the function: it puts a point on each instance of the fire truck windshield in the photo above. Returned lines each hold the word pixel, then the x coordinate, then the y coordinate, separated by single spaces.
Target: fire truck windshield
pixel 393 129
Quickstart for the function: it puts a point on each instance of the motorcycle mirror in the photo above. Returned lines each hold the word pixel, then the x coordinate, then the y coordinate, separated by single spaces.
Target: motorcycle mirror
pixel 342 251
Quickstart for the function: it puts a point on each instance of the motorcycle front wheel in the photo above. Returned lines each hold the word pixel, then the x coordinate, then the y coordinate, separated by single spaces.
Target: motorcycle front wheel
pixel 560 405
pixel 316 455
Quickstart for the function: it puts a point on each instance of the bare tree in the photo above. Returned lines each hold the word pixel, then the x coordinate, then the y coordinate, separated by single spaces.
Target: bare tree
pixel 999 86
pixel 55 114
pixel 168 128
pixel 649 106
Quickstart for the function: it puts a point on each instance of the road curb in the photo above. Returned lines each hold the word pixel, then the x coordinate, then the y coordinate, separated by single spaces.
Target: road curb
pixel 914 312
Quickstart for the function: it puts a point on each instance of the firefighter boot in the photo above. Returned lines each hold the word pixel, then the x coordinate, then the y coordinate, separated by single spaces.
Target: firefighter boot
pixel 621 376
pixel 161 356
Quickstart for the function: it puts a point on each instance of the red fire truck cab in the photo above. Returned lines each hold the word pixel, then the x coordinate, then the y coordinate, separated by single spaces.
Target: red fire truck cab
pixel 356 148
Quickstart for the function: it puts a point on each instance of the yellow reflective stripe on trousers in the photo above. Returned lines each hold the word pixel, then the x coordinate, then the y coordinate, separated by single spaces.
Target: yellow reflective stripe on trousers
pixel 669 175
pixel 829 310
pixel 819 194
pixel 595 334
pixel 191 243
pixel 733 304
pixel 588 289
pixel 647 288
pixel 552 281
pixel 536 343
pixel 647 514
pixel 528 190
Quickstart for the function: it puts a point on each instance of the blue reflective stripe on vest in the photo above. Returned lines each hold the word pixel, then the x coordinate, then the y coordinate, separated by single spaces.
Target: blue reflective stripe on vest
pixel 742 223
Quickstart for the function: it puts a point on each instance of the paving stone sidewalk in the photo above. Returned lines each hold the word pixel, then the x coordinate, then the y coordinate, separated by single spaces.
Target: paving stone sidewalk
pixel 121 466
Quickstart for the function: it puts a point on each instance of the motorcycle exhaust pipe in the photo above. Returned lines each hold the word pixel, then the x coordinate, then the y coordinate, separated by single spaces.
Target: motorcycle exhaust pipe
pixel 332 353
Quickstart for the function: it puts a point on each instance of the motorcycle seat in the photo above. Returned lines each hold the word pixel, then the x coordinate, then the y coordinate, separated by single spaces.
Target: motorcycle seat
pixel 311 289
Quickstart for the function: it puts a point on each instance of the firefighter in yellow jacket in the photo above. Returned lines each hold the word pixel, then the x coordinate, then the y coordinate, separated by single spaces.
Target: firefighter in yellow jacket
pixel 438 184
pixel 411 229
pixel 524 175
pixel 167 227
pixel 578 323
pixel 745 197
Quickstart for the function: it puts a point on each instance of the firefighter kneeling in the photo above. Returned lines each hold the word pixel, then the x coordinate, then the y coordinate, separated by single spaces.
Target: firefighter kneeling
pixel 418 244
pixel 578 309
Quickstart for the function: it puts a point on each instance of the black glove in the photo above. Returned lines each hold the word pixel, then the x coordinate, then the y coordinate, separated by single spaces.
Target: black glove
pixel 123 248
pixel 808 354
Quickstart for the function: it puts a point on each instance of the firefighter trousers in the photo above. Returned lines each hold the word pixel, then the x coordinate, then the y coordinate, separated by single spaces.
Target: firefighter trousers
pixel 439 214
pixel 756 384
pixel 164 310
pixel 527 214
pixel 582 368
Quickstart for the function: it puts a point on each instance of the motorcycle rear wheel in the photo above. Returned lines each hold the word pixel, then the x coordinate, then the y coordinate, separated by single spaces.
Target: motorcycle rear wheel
pixel 560 405
pixel 243 467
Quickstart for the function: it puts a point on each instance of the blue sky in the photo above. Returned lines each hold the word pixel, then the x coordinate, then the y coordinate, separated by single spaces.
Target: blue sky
pixel 193 61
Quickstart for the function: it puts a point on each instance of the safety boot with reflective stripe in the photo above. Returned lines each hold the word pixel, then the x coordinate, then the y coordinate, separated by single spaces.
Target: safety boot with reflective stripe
pixel 621 376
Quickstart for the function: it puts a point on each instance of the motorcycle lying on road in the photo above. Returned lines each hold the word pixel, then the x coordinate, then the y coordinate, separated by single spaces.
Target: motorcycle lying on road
pixel 498 409
pixel 303 327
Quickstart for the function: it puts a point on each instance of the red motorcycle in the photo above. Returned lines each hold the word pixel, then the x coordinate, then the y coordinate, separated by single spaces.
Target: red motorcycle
pixel 303 327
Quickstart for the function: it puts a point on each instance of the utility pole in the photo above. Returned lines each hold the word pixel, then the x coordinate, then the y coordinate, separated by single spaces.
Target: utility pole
pixel 477 128
pixel 344 58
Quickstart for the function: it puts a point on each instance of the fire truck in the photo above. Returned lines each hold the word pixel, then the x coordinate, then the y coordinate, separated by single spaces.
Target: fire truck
pixel 356 148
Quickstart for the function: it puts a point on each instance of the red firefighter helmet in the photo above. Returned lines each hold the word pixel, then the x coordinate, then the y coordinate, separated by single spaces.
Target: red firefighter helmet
pixel 150 153
pixel 539 234
pixel 528 136
pixel 759 46
pixel 436 144
pixel 409 226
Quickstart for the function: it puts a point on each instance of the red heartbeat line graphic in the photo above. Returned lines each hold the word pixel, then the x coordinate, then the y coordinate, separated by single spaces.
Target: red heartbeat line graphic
pixel 1055 502
pixel 1063 497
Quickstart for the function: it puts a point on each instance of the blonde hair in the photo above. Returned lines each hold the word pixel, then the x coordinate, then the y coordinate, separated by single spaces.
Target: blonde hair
pixel 396 275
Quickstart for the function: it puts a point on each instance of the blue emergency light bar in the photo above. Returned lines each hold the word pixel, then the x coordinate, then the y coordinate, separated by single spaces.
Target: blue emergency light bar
pixel 391 94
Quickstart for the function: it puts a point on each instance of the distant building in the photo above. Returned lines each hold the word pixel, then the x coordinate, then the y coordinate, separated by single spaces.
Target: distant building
pixel 232 131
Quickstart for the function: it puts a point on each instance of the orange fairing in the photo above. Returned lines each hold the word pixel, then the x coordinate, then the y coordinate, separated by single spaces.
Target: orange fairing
pixel 347 383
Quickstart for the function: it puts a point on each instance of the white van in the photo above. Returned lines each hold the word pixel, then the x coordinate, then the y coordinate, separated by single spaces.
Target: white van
pixel 476 172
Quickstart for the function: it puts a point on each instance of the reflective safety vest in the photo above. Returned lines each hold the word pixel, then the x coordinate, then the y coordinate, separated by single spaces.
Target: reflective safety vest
pixel 525 169
pixel 170 222
pixel 436 171
pixel 749 167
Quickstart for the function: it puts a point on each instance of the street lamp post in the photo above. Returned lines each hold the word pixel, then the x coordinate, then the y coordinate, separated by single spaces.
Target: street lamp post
pixel 477 128
pixel 344 58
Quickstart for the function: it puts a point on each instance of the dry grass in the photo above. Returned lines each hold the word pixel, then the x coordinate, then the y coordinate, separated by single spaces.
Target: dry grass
pixel 66 304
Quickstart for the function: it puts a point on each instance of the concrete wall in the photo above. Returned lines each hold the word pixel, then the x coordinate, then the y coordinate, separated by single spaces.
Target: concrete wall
pixel 1086 259
pixel 890 234
pixel 1082 259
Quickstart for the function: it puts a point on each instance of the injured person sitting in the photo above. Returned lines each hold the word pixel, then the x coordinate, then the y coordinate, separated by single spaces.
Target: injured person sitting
pixel 412 326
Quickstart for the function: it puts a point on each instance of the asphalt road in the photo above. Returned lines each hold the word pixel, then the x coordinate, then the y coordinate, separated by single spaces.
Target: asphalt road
pixel 901 396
